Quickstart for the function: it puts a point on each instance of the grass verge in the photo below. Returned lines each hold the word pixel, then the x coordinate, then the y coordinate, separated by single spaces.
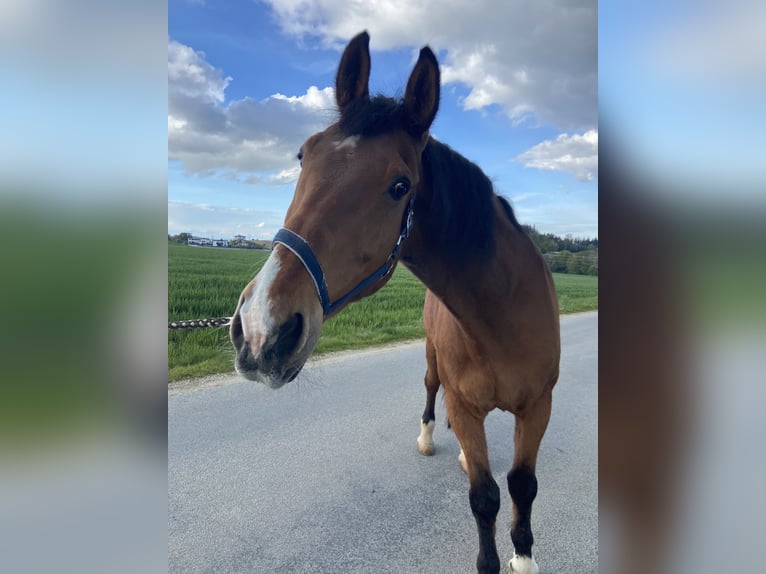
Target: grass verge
pixel 206 282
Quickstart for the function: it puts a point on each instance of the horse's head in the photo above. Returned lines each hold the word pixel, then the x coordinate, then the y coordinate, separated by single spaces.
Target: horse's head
pixel 351 211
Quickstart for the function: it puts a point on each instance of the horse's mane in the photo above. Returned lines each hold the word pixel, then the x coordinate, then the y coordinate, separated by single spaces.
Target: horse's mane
pixel 460 222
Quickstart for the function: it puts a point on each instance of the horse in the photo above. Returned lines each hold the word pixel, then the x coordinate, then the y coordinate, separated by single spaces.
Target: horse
pixel 375 189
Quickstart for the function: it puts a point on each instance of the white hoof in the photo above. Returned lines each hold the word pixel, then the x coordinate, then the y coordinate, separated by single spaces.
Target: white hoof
pixel 523 565
pixel 426 438
pixel 462 461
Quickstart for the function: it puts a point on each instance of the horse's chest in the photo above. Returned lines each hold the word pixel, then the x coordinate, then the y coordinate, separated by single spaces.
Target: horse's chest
pixel 484 377
pixel 467 374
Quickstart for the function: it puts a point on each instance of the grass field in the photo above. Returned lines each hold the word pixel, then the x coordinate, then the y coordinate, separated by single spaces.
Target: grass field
pixel 206 282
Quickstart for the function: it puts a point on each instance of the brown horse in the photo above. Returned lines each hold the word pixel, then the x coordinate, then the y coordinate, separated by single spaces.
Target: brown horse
pixel 375 188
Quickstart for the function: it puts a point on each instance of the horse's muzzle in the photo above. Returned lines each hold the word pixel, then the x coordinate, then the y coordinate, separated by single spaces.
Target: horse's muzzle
pixel 275 359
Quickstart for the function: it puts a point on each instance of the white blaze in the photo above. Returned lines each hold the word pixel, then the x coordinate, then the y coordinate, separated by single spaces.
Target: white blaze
pixel 257 320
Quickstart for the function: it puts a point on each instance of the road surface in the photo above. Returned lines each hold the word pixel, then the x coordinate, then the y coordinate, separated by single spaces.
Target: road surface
pixel 323 476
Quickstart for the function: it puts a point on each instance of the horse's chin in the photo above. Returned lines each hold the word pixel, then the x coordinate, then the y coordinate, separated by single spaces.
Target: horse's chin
pixel 276 374
pixel 273 379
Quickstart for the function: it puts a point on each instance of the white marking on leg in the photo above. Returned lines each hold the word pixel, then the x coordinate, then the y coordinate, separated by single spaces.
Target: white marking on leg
pixel 523 565
pixel 257 319
pixel 349 142
pixel 426 438
pixel 463 462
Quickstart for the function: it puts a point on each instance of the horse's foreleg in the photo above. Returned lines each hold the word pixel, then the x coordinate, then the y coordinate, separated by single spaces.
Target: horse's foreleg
pixel 522 483
pixel 427 422
pixel 483 493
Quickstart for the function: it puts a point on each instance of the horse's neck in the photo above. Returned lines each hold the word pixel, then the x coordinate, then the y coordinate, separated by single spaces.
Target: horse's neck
pixel 485 283
pixel 479 277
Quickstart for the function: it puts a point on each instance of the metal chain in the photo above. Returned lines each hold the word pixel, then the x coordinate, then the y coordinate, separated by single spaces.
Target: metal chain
pixel 198 323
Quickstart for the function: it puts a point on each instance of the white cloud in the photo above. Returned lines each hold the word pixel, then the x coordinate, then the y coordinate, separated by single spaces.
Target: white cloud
pixel 286 176
pixel 215 221
pixel 521 197
pixel 207 134
pixel 720 45
pixel 313 99
pixel 575 154
pixel 190 75
pixel 537 60
pixel 282 177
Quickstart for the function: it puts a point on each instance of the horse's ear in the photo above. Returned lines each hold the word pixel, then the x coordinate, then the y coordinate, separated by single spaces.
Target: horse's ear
pixel 354 71
pixel 421 99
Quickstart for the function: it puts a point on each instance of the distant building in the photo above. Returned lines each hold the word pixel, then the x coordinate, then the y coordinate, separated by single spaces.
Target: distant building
pixel 202 241
pixel 206 242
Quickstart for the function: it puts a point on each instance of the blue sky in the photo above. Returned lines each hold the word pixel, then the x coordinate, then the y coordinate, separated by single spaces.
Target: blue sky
pixel 249 81
pixel 682 85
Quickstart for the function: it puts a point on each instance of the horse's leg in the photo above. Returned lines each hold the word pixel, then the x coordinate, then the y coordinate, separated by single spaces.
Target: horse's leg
pixel 483 493
pixel 522 483
pixel 427 422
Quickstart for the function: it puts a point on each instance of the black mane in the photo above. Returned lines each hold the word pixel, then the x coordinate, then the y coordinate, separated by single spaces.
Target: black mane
pixel 459 221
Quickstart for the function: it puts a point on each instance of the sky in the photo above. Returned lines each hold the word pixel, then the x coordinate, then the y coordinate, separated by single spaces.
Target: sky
pixel 249 81
pixel 682 86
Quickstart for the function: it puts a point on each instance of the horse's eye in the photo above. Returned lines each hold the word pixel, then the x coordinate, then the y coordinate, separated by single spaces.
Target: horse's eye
pixel 300 156
pixel 400 188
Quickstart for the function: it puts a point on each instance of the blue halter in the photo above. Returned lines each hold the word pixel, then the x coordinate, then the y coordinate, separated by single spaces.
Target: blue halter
pixel 302 250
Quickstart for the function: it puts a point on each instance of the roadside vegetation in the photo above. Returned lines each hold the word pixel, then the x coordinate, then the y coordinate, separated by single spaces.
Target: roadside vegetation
pixel 206 282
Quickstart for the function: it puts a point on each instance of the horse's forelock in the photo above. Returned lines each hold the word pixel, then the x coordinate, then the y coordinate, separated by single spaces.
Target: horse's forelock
pixel 370 117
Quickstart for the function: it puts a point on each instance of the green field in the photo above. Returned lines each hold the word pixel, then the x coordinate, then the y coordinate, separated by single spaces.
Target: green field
pixel 206 282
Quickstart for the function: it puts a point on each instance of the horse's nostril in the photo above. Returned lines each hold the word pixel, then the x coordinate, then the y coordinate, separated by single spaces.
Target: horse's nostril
pixel 246 360
pixel 288 336
pixel 235 332
pixel 245 353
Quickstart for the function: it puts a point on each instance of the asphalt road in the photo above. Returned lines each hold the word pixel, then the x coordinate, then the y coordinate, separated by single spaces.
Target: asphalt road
pixel 324 476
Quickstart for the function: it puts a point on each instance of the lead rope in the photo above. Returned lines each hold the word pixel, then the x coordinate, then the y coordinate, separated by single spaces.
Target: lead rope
pixel 199 323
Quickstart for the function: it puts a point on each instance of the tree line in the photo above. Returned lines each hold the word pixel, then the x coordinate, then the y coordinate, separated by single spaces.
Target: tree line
pixel 566 254
pixel 563 254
